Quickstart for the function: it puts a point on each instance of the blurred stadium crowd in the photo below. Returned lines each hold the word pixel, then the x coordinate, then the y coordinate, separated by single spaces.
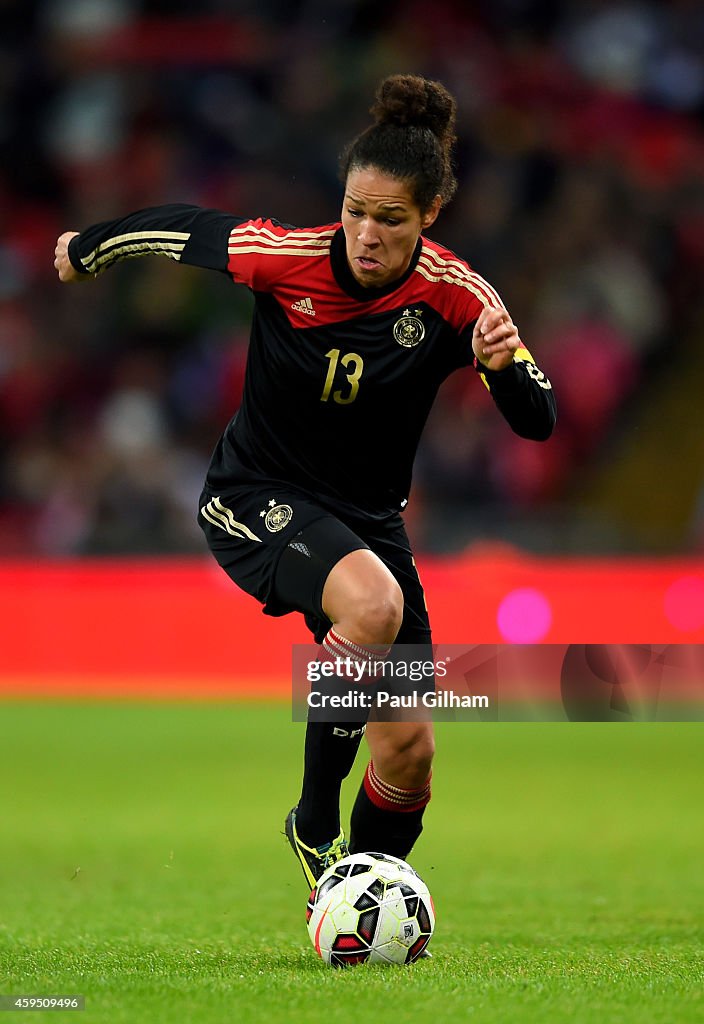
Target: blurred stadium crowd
pixel 581 199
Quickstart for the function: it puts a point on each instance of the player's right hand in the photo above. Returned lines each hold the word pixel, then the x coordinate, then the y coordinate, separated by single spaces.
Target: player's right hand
pixel 66 269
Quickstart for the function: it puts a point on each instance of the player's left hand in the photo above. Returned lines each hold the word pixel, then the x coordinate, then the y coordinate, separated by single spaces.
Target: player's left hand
pixel 495 338
pixel 62 264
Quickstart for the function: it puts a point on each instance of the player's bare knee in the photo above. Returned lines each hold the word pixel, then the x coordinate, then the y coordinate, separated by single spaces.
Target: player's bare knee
pixel 379 613
pixel 363 600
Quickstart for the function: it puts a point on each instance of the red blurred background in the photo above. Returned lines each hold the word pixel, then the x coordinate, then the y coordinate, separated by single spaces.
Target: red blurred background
pixel 179 628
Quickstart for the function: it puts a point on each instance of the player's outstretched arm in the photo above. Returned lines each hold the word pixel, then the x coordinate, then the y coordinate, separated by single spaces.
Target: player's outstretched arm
pixel 186 234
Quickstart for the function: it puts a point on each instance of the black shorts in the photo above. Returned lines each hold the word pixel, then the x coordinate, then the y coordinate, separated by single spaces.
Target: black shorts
pixel 279 545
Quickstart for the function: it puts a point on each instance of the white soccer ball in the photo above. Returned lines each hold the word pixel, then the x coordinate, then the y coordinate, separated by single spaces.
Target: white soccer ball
pixel 370 908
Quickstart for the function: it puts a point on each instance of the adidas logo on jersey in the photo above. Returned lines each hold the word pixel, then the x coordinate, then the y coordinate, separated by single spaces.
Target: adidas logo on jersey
pixel 303 306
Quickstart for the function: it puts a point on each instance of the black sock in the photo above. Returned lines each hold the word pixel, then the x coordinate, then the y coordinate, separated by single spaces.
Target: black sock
pixel 386 819
pixel 332 746
pixel 330 750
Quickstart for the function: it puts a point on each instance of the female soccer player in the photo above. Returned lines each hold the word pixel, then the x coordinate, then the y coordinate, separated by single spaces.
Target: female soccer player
pixel 356 325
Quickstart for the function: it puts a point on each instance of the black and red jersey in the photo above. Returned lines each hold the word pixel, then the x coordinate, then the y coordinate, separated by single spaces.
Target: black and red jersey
pixel 340 378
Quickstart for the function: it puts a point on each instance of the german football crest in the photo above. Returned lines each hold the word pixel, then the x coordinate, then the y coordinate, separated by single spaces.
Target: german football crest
pixel 277 516
pixel 409 331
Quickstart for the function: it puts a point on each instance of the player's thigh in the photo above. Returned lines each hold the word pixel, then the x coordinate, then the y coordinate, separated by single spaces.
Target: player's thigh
pixel 323 570
pixel 361 593
pixel 332 574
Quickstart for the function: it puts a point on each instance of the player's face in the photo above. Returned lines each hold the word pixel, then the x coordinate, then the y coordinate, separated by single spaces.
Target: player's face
pixel 382 223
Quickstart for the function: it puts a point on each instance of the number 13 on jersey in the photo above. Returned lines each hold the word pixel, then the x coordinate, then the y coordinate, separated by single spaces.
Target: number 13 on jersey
pixel 353 364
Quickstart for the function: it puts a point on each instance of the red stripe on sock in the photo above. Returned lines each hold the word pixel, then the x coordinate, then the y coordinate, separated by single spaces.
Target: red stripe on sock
pixel 361 650
pixel 392 798
pixel 335 646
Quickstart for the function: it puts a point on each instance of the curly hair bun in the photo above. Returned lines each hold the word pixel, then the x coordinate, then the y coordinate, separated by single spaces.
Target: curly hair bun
pixel 410 101
pixel 411 139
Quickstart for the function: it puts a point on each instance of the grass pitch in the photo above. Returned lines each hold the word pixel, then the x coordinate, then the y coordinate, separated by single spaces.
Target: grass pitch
pixel 143 868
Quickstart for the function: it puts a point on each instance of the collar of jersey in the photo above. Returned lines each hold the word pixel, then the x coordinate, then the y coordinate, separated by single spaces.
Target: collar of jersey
pixel 347 281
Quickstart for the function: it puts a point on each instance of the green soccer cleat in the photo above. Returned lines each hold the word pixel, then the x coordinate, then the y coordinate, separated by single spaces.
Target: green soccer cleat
pixel 314 859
